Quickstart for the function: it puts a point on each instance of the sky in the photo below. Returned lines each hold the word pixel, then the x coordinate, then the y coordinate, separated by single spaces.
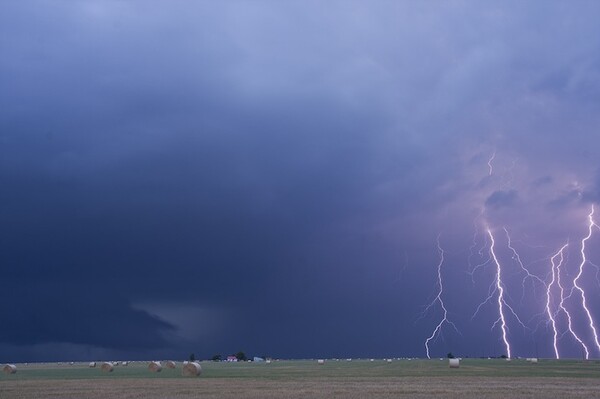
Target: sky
pixel 283 178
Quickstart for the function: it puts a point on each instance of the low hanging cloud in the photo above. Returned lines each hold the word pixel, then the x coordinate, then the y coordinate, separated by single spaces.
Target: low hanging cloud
pixel 99 318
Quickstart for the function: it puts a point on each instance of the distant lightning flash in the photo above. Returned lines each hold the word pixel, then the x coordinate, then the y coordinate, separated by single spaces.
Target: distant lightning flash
pixel 576 285
pixel 551 316
pixel 439 299
pixel 500 289
pixel 491 168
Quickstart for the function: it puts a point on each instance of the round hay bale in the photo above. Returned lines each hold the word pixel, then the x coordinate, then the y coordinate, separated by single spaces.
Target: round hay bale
pixel 9 369
pixel 171 364
pixel 191 369
pixel 155 367
pixel 454 363
pixel 532 360
pixel 389 360
pixel 107 367
pixel 124 363
pixel 92 364
pixel 321 361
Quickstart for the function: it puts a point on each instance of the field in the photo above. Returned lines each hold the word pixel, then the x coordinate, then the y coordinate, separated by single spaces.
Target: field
pixel 476 378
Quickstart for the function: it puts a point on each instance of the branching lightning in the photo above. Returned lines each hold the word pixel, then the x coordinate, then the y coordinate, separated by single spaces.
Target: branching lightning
pixel 576 285
pixel 500 290
pixel 561 288
pixel 561 307
pixel 551 315
pixel 528 275
pixel 439 299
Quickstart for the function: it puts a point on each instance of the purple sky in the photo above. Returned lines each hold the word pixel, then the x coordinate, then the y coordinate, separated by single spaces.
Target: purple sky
pixel 272 176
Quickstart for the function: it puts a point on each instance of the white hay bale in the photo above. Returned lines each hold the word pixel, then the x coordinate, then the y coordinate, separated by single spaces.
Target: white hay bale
pixel 9 369
pixel 191 369
pixel 155 367
pixel 171 364
pixel 389 360
pixel 92 364
pixel 268 361
pixel 107 367
pixel 321 361
pixel 532 360
pixel 124 363
pixel 454 363
pixel 185 362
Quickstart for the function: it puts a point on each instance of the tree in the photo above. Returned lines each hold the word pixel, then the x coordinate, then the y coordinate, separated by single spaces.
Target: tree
pixel 241 356
pixel 450 355
pixel 216 358
pixel 192 357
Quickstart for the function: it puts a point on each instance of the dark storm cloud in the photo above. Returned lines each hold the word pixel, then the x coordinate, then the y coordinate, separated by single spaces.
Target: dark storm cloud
pixel 542 181
pixel 500 199
pixel 101 317
pixel 272 164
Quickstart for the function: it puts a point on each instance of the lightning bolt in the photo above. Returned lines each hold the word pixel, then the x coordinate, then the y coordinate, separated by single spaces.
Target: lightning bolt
pixel 576 285
pixel 500 289
pixel 551 316
pixel 561 307
pixel 439 299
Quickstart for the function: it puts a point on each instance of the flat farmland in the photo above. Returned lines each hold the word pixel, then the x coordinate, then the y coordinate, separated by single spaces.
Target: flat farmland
pixel 476 378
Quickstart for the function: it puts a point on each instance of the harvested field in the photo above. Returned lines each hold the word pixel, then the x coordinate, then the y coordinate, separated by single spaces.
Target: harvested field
pixel 305 379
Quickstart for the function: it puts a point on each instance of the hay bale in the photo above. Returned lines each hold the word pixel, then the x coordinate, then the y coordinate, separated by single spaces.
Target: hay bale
pixel 107 367
pixel 171 364
pixel 389 360
pixel 9 369
pixel 92 364
pixel 454 363
pixel 155 367
pixel 321 361
pixel 124 363
pixel 191 369
pixel 532 360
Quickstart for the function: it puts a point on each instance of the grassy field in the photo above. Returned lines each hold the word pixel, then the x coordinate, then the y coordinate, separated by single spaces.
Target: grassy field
pixel 476 378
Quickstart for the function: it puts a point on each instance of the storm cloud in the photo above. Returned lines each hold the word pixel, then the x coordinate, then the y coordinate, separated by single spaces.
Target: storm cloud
pixel 272 176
